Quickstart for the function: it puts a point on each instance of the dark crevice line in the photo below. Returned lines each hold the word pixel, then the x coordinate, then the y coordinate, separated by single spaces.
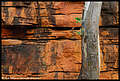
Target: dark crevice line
pixel 75 13
pixel 107 38
pixel 38 26
pixel 109 44
pixel 109 70
pixel 24 18
pixel 15 6
pixel 63 71
pixel 110 26
pixel 40 8
pixel 41 39
pixel 58 14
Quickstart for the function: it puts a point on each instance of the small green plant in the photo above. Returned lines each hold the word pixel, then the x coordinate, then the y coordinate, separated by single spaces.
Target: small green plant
pixel 78 20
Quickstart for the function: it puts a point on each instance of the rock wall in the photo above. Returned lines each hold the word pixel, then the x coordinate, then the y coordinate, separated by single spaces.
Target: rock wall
pixel 25 55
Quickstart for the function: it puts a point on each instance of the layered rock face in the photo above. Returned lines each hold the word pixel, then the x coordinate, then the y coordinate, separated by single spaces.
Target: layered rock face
pixel 28 56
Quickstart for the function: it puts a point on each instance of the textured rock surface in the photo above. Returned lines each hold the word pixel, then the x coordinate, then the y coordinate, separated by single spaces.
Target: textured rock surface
pixel 109 13
pixel 55 59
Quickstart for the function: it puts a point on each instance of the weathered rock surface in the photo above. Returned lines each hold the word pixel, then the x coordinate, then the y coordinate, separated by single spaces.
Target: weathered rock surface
pixel 52 59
